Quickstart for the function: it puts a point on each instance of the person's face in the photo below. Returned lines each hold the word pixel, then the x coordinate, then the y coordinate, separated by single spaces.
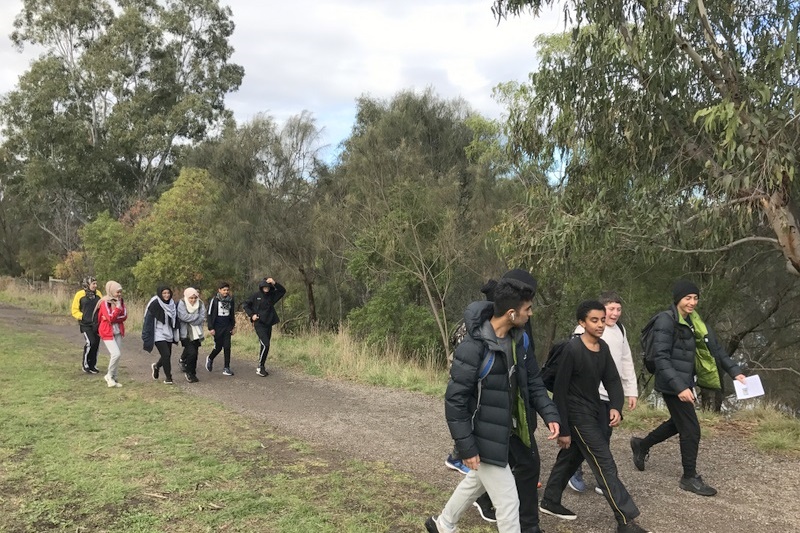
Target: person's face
pixel 265 289
pixel 192 299
pixel 595 323
pixel 166 294
pixel 520 316
pixel 93 286
pixel 613 312
pixel 687 304
pixel 118 294
pixel 225 291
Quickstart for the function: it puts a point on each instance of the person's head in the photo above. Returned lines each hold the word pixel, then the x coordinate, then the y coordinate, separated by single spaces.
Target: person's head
pixel 224 288
pixel 685 296
pixel 513 300
pixel 191 295
pixel 613 304
pixel 113 289
pixel 263 286
pixel 89 283
pixel 591 315
pixel 517 274
pixel 164 292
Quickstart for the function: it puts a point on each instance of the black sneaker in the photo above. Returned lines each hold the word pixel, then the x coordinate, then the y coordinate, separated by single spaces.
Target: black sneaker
pixel 227 371
pixel 188 376
pixel 697 485
pixel 486 510
pixel 631 527
pixel 87 370
pixel 209 364
pixel 155 370
pixel 261 371
pixel 168 380
pixel 93 370
pixel 193 378
pixel 430 525
pixel 640 453
pixel 182 364
pixel 557 510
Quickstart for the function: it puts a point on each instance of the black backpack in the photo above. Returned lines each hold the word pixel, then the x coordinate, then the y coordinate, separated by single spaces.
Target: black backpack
pixel 550 366
pixel 646 342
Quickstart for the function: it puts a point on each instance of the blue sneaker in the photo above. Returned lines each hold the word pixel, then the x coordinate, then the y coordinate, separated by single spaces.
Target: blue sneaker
pixel 456 464
pixel 576 481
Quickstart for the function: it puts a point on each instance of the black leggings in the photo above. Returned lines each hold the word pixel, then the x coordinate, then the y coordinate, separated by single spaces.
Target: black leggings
pixel 189 356
pixel 165 351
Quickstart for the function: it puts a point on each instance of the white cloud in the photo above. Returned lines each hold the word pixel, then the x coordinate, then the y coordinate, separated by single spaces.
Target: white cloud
pixel 320 55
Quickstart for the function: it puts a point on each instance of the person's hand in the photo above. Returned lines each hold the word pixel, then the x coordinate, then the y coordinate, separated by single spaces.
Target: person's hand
pixel 632 402
pixel 615 418
pixel 555 429
pixel 686 395
pixel 564 442
pixel 254 318
pixel 233 331
pixel 212 332
pixel 741 379
pixel 473 462
pixel 271 281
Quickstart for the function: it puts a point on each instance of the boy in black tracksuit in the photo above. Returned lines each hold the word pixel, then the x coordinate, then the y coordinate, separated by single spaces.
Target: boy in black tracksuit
pixel 260 307
pixel 584 364
pixel 83 305
pixel 221 323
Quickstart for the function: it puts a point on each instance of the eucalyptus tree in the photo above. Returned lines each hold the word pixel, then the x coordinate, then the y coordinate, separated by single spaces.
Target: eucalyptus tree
pixel 676 121
pixel 96 120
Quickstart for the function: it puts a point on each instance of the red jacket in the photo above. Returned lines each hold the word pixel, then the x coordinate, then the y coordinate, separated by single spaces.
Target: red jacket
pixel 109 316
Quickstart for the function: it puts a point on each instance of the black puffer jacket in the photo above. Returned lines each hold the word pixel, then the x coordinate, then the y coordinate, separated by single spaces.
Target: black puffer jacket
pixel 484 427
pixel 675 352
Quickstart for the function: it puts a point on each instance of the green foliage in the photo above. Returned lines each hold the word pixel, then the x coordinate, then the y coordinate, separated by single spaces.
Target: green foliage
pixel 111 249
pixel 391 316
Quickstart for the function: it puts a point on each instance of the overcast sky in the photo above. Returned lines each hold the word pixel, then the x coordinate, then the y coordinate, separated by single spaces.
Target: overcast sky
pixel 320 55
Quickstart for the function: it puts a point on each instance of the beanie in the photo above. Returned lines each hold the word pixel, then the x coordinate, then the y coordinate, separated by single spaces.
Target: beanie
pixel 522 276
pixel 682 288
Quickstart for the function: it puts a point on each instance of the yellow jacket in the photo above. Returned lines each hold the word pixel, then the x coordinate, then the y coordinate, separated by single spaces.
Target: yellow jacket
pixel 77 312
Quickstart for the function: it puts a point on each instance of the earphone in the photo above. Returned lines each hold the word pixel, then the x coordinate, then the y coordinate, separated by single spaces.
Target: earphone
pixel 513 316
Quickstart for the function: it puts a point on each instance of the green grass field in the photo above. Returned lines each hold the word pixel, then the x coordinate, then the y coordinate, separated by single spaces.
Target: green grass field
pixel 78 457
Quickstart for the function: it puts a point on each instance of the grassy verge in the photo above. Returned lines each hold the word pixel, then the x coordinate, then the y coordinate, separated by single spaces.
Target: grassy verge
pixel 76 456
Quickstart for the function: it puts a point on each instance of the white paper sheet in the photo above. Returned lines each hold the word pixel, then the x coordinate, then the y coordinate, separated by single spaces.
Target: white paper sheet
pixel 750 389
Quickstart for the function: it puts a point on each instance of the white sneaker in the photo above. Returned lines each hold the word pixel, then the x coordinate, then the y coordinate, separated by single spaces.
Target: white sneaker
pixel 110 382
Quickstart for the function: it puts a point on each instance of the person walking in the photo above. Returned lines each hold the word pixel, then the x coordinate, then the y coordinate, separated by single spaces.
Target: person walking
pixel 686 352
pixel 112 314
pixel 160 329
pixel 191 317
pixel 260 308
pixel 83 305
pixel 221 325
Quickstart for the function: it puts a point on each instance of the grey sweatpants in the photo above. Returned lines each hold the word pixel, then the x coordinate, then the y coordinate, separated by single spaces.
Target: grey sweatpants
pixel 499 482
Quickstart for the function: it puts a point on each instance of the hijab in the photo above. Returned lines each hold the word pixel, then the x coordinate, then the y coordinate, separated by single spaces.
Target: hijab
pixel 163 310
pixel 191 291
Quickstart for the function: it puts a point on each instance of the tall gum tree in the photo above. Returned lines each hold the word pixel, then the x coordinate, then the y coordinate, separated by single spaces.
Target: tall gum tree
pixel 686 109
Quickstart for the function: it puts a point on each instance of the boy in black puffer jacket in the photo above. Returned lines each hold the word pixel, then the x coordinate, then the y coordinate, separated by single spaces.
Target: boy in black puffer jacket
pixel 487 417
pixel 260 307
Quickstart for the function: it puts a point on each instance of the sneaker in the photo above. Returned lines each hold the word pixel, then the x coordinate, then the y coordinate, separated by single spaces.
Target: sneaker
pixel 486 511
pixel 261 371
pixel 599 491
pixel 556 509
pixel 155 370
pixel 432 525
pixel 456 464
pixel 193 378
pixel 111 382
pixel 167 381
pixel 227 371
pixel 697 485
pixel 182 364
pixel 93 370
pixel 86 370
pixel 188 377
pixel 631 527
pixel 576 481
pixel 640 453
pixel 209 364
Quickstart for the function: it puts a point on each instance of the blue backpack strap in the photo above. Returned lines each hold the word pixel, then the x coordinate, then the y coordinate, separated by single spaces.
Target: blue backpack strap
pixel 526 342
pixel 486 364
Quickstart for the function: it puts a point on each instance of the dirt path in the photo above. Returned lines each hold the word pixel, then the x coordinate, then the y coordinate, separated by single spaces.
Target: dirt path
pixel 756 492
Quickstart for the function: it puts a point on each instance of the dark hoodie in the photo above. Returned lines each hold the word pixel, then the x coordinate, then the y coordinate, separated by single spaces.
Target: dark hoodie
pixel 482 426
pixel 263 303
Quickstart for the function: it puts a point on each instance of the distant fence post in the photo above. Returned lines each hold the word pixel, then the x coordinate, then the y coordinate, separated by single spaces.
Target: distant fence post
pixel 53 280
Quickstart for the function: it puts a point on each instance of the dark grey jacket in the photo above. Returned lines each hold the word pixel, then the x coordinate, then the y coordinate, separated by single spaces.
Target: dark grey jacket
pixel 483 426
pixel 675 352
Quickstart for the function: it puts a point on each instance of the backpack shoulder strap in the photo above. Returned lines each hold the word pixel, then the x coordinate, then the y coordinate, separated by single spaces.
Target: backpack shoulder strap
pixel 486 364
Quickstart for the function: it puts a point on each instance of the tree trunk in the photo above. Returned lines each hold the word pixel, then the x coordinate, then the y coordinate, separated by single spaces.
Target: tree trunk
pixel 308 281
pixel 782 218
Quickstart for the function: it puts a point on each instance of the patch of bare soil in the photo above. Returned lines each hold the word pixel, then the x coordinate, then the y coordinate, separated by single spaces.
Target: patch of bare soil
pixel 757 492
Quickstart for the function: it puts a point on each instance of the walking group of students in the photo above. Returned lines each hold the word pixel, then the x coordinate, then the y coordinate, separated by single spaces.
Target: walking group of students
pixel 496 390
pixel 167 322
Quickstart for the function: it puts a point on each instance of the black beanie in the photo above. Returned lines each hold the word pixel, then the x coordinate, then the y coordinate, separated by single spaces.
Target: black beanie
pixel 522 276
pixel 683 287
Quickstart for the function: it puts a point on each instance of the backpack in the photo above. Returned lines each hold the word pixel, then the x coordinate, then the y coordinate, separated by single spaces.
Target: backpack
pixel 460 333
pixel 550 366
pixel 96 320
pixel 646 342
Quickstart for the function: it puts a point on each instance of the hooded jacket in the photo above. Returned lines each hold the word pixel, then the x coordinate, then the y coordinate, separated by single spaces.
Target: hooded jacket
pixel 157 325
pixel 83 305
pixel 481 424
pixel 263 303
pixel 675 351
